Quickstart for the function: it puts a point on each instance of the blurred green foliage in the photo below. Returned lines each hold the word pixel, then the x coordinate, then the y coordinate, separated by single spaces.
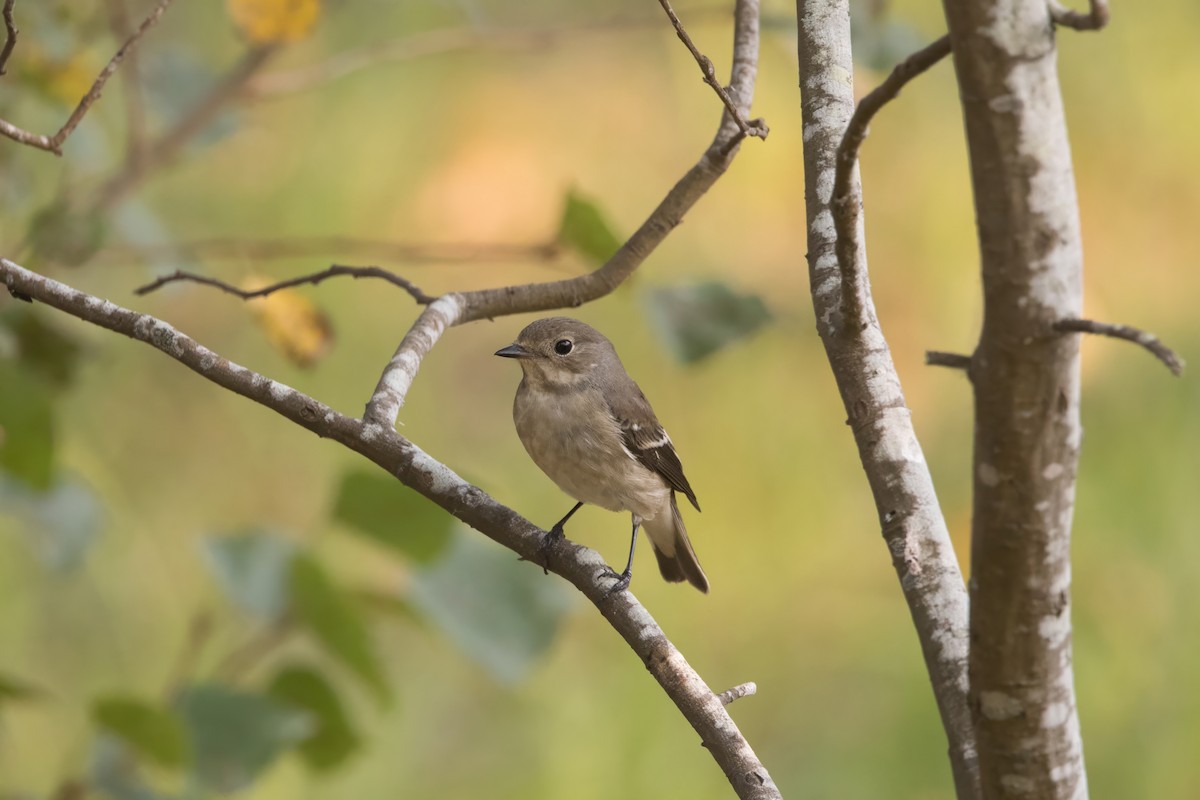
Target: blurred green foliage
pixel 312 624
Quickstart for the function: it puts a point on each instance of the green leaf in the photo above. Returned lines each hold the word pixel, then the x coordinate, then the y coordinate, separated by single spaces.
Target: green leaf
pixel 151 731
pixel 15 690
pixel 26 426
pixel 62 522
pixel 697 320
pixel 40 347
pixel 66 235
pixel 336 622
pixel 235 735
pixel 584 228
pixel 380 508
pixel 880 43
pixel 252 568
pixel 333 740
pixel 499 611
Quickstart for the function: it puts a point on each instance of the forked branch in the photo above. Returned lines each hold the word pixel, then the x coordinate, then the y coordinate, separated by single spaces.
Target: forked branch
pixel 414 468
pixel 458 308
pixel 847 192
pixel 54 143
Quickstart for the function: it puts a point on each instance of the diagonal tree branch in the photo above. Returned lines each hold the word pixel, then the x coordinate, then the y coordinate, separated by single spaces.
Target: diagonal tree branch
pixel 412 466
pixel 458 308
pixel 909 514
pixel 54 143
pixel 164 149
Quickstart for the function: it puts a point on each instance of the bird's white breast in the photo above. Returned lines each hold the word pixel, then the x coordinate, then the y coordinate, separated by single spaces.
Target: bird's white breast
pixel 573 438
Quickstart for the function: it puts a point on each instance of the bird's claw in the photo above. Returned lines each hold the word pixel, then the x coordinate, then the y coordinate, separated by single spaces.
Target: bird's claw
pixel 622 579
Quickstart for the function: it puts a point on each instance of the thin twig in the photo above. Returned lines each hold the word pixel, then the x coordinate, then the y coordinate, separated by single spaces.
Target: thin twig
pixel 54 143
pixel 847 194
pixel 11 35
pixel 1096 17
pixel 342 246
pixel 135 112
pixel 416 469
pixel 198 633
pixel 251 652
pixel 1130 334
pixel 755 127
pixel 313 278
pixel 940 358
pixel 738 692
pixel 437 42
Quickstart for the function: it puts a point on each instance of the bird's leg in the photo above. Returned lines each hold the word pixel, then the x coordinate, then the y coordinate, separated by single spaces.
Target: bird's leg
pixel 556 532
pixel 623 579
pixel 553 536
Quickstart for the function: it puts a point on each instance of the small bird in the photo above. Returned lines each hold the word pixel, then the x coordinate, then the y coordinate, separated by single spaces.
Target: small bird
pixel 588 426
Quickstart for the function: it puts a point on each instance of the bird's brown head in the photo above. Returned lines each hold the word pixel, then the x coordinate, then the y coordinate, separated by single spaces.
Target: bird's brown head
pixel 561 352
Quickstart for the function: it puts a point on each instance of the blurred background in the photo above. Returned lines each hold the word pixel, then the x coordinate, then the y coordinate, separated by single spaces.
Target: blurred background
pixel 198 596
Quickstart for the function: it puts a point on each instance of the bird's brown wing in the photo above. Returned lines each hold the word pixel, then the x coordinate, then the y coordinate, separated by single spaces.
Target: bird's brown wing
pixel 649 443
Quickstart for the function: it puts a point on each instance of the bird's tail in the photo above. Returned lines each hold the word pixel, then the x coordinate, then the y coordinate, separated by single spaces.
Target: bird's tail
pixel 676 558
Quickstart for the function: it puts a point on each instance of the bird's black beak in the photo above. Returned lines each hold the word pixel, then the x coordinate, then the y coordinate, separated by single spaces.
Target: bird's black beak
pixel 515 350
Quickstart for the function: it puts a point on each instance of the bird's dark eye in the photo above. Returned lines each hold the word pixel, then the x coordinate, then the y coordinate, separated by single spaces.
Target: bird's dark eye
pixel 563 346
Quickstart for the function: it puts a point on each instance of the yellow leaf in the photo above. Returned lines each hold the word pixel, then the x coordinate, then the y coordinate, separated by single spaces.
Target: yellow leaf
pixel 291 322
pixel 64 80
pixel 271 21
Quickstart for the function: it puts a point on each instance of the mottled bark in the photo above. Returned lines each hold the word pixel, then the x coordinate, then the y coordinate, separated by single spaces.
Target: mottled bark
pixel 1026 380
pixel 909 514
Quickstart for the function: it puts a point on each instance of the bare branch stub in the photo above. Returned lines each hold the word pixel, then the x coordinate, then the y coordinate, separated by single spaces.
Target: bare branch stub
pixel 754 127
pixel 54 143
pixel 940 358
pixel 747 689
pixel 312 279
pixel 1128 333
pixel 1097 16
pixel 10 40
pixel 847 194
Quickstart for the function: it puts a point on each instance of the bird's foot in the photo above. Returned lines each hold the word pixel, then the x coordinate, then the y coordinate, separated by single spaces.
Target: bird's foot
pixel 622 579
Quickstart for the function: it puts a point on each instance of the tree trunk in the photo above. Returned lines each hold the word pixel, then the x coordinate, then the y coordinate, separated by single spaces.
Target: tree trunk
pixel 1026 382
